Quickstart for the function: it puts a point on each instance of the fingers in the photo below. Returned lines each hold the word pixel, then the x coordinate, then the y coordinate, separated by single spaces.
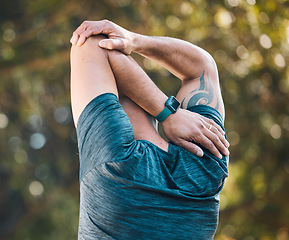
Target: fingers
pixel 212 137
pixel 85 30
pixel 212 145
pixel 215 141
pixel 77 33
pixel 219 142
pixel 191 147
pixel 81 39
pixel 212 132
pixel 74 38
pixel 214 128
pixel 210 122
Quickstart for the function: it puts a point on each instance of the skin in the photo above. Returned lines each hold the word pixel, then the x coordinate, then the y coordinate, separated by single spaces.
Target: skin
pixel 97 68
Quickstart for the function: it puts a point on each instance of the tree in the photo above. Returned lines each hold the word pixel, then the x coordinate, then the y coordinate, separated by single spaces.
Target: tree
pixel 39 164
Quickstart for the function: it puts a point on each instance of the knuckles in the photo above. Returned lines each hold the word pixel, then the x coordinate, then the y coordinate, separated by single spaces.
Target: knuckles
pixel 106 23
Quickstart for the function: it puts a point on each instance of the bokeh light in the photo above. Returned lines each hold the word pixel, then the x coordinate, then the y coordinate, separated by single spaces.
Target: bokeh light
pixel 63 115
pixel 3 120
pixel 36 188
pixel 37 140
pixel 39 157
pixel 265 41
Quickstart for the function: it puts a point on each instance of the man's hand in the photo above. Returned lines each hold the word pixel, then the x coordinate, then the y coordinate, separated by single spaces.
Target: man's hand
pixel 118 37
pixel 185 128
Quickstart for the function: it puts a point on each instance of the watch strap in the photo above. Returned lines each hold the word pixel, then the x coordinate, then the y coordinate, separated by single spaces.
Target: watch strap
pixel 163 114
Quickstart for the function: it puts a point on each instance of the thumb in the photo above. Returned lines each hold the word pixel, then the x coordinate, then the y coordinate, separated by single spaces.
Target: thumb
pixel 111 44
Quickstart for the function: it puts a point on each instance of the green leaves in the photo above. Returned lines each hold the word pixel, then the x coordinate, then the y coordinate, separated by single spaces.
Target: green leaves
pixel 39 164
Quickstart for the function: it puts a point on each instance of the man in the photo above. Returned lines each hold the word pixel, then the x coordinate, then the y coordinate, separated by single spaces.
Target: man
pixel 135 185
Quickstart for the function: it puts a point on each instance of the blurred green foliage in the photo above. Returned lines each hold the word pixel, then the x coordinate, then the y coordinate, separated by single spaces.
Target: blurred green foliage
pixel 39 195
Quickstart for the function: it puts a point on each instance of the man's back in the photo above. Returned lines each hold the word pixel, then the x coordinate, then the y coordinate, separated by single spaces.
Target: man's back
pixel 134 188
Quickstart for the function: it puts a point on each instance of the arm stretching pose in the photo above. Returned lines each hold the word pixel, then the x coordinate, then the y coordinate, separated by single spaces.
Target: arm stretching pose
pixel 135 185
pixel 190 63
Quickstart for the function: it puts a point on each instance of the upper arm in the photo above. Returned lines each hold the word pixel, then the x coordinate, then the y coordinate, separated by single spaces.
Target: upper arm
pixel 91 75
pixel 203 90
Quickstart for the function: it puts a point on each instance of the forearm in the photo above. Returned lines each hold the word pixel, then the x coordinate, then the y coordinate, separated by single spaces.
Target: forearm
pixel 183 59
pixel 133 82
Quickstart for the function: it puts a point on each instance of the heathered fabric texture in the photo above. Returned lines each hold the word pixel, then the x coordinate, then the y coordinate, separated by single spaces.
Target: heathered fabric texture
pixel 134 190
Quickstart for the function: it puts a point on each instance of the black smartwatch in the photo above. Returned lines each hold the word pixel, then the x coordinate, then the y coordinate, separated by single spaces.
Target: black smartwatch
pixel 171 106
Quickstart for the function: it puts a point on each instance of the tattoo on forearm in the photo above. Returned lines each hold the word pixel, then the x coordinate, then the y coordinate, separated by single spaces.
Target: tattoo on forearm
pixel 204 95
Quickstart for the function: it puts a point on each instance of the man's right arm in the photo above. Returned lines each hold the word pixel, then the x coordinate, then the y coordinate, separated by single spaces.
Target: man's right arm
pixel 188 62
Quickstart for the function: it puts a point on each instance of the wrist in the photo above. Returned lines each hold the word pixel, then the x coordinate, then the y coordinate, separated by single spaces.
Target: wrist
pixel 171 107
pixel 138 42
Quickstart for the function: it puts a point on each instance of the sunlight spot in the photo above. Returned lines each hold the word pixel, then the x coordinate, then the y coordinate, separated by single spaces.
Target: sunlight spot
pixel 256 86
pixel 233 138
pixel 9 35
pixel 173 22
pixel 197 34
pixel 285 122
pixel 265 41
pixel 186 8
pixel 36 188
pixel 3 121
pixel 251 17
pixel 276 131
pixel 164 72
pixel 62 115
pixel 242 52
pixel 149 64
pixel 21 156
pixel 256 58
pixel 229 230
pixel 233 3
pixel 223 18
pixel 8 53
pixel 35 122
pixel 279 60
pixel 240 68
pixel 264 18
pixel 37 140
pixel 220 56
pixel 251 2
pixel 266 120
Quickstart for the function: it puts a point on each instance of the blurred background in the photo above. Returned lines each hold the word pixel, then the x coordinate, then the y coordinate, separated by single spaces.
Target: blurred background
pixel 39 187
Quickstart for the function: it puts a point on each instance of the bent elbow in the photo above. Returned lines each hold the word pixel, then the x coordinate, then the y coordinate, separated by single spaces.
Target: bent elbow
pixel 209 62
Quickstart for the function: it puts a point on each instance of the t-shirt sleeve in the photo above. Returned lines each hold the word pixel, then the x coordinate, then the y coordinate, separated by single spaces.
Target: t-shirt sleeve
pixel 104 133
pixel 208 112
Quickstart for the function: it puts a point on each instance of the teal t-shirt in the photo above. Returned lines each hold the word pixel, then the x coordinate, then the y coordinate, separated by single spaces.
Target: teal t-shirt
pixel 132 189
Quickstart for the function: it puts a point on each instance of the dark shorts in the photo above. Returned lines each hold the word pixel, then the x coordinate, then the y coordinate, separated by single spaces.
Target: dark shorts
pixel 134 190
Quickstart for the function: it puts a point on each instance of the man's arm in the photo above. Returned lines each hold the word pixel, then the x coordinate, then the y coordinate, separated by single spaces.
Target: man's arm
pixel 190 63
pixel 133 82
pixel 147 95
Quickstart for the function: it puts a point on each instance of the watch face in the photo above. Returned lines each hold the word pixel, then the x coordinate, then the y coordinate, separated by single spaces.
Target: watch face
pixel 173 104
